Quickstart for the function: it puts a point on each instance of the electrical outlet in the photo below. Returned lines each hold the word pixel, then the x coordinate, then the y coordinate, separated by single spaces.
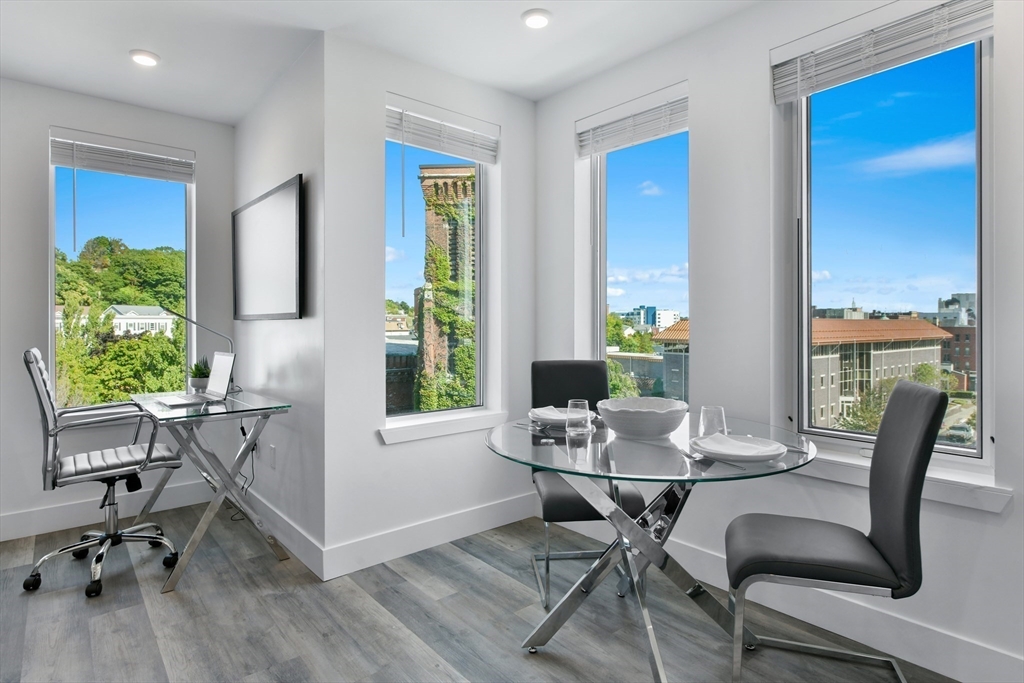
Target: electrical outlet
pixel 272 457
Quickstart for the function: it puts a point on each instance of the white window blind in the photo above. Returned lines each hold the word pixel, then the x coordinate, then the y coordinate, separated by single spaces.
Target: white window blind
pixel 657 122
pixel 421 131
pixel 919 35
pixel 96 157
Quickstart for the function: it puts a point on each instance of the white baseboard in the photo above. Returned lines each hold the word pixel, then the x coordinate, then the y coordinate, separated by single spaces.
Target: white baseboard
pixel 295 540
pixel 947 653
pixel 21 523
pixel 365 552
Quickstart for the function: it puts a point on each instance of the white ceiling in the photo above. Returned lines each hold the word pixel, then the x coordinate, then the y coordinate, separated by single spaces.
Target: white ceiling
pixel 219 56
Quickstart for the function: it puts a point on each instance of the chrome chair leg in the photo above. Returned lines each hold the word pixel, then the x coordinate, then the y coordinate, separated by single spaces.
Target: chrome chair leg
pixel 544 580
pixel 81 545
pixel 150 538
pixel 737 600
pixel 139 527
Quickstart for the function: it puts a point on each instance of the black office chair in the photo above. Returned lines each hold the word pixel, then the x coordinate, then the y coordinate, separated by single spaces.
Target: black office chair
pixel 817 554
pixel 555 383
pixel 107 466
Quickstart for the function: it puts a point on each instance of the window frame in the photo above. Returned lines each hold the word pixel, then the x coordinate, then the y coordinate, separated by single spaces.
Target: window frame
pixel 972 459
pixel 190 258
pixel 411 420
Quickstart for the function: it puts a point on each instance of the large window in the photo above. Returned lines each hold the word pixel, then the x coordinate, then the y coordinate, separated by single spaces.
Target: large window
pixel 119 262
pixel 647 326
pixel 891 225
pixel 430 308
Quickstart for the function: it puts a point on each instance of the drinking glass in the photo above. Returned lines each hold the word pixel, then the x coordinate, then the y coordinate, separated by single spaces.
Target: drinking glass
pixel 712 420
pixel 577 417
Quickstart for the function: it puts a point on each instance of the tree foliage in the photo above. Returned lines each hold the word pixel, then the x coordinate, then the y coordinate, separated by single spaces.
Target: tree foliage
pixel 95 365
pixel 620 384
pixel 615 335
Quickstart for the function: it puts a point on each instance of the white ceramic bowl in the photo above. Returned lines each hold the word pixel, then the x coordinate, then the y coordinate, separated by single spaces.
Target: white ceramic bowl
pixel 643 417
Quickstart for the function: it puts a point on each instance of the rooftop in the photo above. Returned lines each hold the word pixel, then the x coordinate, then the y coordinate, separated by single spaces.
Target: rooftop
pixel 679 332
pixel 836 331
pixel 120 309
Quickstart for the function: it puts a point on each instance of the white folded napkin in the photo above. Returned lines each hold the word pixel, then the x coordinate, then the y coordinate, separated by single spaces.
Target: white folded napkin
pixel 551 415
pixel 722 443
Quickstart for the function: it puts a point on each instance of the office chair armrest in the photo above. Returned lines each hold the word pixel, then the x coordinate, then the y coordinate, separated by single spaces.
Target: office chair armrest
pixel 108 419
pixel 107 407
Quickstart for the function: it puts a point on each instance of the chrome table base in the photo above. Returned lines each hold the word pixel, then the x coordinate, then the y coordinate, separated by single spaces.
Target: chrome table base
pixel 639 545
pixel 222 481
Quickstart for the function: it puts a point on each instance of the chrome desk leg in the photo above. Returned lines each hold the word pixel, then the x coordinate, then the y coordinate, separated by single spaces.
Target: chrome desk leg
pixel 234 493
pixel 651 551
pixel 157 490
pixel 597 573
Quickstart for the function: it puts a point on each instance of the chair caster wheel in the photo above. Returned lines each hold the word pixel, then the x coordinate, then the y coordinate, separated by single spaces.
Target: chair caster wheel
pixel 532 650
pixel 84 538
pixel 80 554
pixel 170 559
pixel 155 544
pixel 621 595
pixel 749 647
pixel 93 589
pixel 32 582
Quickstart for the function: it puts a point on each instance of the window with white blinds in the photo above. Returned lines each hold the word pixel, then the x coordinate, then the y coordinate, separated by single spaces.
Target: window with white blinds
pixel 421 131
pixel 657 122
pixel 919 35
pixel 94 157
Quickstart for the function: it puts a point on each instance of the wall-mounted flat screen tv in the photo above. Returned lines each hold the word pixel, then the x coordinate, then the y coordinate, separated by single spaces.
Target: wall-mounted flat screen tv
pixel 266 241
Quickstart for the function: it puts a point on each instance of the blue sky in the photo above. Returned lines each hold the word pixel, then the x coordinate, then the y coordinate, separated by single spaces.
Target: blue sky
pixel 404 255
pixel 144 213
pixel 893 180
pixel 647 218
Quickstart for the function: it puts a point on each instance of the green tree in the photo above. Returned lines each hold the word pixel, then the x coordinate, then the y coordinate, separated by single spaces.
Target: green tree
pixel 392 307
pixel 613 330
pixel 620 384
pixel 638 342
pixel 865 415
pixel 927 374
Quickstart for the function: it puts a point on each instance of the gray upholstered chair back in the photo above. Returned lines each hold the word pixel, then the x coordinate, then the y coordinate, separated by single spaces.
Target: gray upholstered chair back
pixel 903 448
pixel 47 412
pixel 556 382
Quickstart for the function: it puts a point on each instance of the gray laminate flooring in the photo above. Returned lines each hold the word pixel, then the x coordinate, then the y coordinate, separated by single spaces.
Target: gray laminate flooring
pixel 455 612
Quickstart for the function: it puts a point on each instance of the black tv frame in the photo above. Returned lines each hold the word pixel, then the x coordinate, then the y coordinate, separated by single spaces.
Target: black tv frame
pixel 296 183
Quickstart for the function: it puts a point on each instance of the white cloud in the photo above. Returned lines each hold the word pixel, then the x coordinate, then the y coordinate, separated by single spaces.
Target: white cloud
pixel 648 187
pixel 819 275
pixel 931 156
pixel 615 291
pixel 392 254
pixel 673 273
pixel 846 117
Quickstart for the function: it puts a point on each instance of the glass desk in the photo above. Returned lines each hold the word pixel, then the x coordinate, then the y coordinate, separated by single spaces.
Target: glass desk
pixel 594 465
pixel 183 423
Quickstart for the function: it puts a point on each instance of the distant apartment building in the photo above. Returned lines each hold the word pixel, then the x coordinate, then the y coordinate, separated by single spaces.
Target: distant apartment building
pixel 641 316
pixel 852 313
pixel 675 366
pixel 665 318
pixel 132 319
pixel 960 355
pixel 849 356
pixel 398 324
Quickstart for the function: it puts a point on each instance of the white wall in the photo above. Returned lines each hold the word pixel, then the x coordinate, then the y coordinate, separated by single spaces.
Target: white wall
pixel 386 501
pixel 281 136
pixel 966 620
pixel 27 111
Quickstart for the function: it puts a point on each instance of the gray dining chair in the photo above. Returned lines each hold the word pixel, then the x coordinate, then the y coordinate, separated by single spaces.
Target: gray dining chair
pixel 817 554
pixel 106 466
pixel 555 383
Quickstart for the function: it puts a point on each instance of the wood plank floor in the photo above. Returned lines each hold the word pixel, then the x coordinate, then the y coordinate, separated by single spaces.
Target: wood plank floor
pixel 451 613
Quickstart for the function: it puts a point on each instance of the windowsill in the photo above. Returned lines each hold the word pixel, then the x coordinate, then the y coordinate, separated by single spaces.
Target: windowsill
pixel 427 426
pixel 975 490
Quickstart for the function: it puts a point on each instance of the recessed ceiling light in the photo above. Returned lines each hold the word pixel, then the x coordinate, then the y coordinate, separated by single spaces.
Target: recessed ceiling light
pixel 144 57
pixel 536 18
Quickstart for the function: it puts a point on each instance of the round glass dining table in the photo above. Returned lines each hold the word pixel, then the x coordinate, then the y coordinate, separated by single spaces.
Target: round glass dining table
pixel 594 465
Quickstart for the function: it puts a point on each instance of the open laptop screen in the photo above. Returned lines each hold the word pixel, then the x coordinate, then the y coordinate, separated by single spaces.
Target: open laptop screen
pixel 220 374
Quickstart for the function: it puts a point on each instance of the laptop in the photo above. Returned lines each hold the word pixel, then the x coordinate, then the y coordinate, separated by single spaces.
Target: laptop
pixel 216 390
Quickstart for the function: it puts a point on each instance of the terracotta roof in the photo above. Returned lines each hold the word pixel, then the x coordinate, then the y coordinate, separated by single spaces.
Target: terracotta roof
pixel 679 332
pixel 835 331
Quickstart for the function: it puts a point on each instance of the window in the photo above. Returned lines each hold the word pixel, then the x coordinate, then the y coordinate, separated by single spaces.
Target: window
pixel 639 198
pixel 432 256
pixel 891 221
pixel 120 234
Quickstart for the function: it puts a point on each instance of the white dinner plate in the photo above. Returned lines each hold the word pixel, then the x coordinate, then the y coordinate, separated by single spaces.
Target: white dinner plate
pixel 736 448
pixel 552 417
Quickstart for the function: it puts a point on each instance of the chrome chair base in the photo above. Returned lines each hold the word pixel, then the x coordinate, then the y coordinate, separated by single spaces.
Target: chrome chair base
pixel 544 583
pixel 737 603
pixel 111 536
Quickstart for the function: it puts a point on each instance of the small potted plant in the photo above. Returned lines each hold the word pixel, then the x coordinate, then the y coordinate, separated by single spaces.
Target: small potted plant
pixel 199 375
